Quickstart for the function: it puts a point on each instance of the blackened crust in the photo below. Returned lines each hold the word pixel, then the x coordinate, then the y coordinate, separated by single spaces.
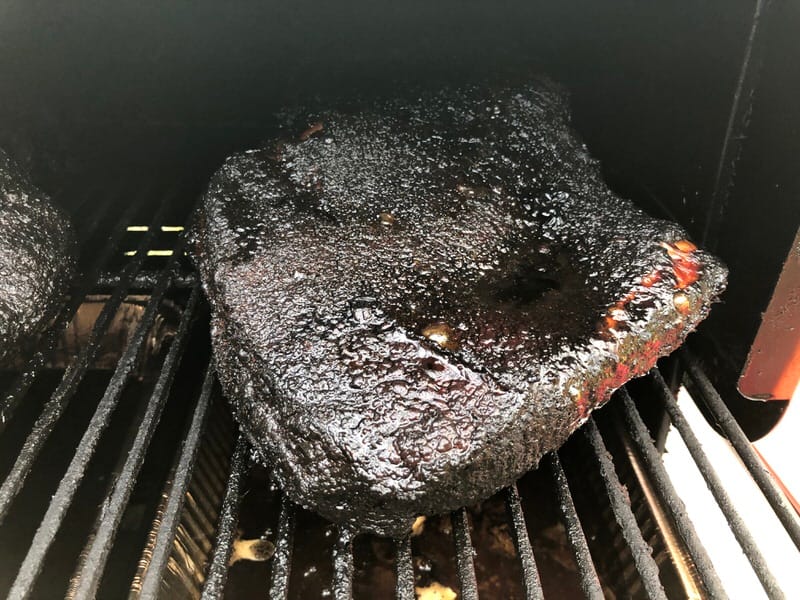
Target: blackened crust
pixel 37 259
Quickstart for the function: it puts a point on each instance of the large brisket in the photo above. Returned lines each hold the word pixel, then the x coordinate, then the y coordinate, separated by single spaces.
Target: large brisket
pixel 414 301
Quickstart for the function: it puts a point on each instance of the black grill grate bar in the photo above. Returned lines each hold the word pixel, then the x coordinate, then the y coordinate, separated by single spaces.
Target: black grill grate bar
pixel 48 343
pixel 519 531
pixel 147 279
pixel 69 483
pixel 620 506
pixel 404 589
pixel 63 393
pixel 217 572
pixel 282 559
pixel 465 564
pixel 663 485
pixel 97 550
pixel 737 524
pixel 343 565
pixel 769 487
pixel 590 582
pixel 151 580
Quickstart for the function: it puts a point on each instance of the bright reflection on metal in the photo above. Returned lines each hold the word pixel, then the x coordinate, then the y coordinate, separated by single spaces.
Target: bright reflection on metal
pixel 164 228
pixel 151 253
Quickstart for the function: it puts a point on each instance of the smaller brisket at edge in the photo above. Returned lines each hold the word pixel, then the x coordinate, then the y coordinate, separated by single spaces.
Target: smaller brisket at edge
pixel 37 259
pixel 414 301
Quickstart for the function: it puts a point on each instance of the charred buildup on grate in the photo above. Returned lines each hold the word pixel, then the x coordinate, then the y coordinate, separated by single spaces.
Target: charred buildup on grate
pixel 37 258
pixel 414 301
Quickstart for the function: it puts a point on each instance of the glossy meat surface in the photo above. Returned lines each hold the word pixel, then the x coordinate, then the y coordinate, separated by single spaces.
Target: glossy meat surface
pixel 37 258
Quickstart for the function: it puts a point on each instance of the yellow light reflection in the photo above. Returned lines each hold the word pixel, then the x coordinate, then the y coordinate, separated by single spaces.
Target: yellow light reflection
pixel 151 253
pixel 164 228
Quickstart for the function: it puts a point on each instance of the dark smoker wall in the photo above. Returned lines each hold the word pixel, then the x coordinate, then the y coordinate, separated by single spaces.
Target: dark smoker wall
pixel 172 87
pixel 650 81
pixel 758 222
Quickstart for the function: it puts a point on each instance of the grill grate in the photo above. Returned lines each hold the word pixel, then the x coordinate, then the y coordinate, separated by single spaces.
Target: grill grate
pixel 714 484
pixel 168 277
pixel 769 487
pixel 590 583
pixel 530 574
pixel 621 507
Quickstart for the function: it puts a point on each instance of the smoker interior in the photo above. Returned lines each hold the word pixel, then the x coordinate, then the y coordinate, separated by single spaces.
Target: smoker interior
pixel 122 472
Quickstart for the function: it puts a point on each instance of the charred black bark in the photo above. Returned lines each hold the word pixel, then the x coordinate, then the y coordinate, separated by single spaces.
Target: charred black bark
pixel 37 258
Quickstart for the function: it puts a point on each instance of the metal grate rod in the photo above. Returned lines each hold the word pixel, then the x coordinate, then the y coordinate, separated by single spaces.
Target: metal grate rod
pixel 404 590
pixel 590 582
pixel 620 505
pixel 217 572
pixel 151 580
pixel 522 542
pixel 715 486
pixel 343 565
pixel 658 474
pixel 31 566
pixel 464 555
pixel 147 279
pixel 96 553
pixel 782 507
pixel 282 559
